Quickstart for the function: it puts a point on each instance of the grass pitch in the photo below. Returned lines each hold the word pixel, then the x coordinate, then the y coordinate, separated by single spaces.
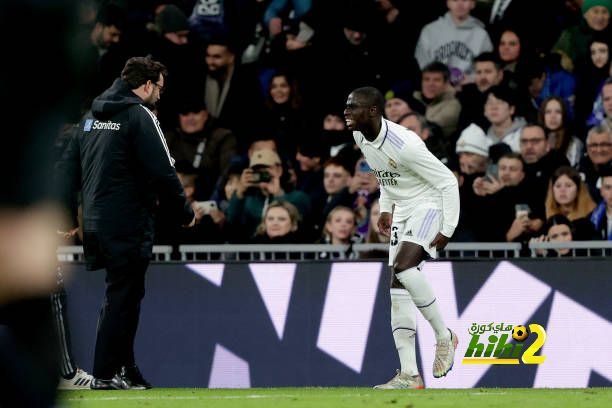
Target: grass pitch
pixel 339 398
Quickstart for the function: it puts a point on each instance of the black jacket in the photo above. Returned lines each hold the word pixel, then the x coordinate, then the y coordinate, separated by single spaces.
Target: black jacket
pixel 119 159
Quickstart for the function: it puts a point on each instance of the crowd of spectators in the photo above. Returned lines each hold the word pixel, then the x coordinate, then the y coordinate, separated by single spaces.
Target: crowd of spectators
pixel 514 96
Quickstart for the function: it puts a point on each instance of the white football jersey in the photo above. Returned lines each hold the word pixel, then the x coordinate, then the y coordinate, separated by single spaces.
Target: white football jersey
pixel 409 175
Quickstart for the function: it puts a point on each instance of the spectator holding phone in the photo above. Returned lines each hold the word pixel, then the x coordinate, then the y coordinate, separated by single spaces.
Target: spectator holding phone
pixel 260 184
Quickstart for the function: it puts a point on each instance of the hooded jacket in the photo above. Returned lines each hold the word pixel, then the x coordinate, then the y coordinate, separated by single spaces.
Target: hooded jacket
pixel 512 135
pixel 119 159
pixel 455 46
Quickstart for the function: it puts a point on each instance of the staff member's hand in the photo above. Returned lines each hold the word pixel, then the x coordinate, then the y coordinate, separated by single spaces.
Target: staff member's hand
pixel 192 223
pixel 384 223
pixel 440 242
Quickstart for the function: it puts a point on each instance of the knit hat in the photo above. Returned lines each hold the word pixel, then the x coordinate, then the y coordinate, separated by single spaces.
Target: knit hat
pixel 171 19
pixel 403 91
pixel 592 3
pixel 473 140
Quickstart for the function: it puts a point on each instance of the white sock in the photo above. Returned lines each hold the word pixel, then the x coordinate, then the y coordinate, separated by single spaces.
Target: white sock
pixel 423 297
pixel 403 324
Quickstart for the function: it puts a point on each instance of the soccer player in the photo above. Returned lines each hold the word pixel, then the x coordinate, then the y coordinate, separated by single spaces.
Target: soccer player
pixel 419 206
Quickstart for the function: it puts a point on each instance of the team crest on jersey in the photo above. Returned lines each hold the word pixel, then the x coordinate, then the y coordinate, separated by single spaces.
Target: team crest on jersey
pixel 392 163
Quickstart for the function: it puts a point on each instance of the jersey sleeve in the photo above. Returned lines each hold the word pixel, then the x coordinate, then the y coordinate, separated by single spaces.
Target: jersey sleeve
pixel 386 205
pixel 417 158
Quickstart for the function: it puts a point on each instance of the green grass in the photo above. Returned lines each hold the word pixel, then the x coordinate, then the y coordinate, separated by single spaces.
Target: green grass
pixel 339 398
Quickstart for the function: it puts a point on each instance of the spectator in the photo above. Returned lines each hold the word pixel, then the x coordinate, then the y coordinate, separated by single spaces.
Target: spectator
pixel 606 94
pixel 511 54
pixel 399 101
pixel 454 39
pixel 517 214
pixel 401 21
pixel 374 235
pixel 365 185
pixel 337 179
pixel 598 113
pixel 488 73
pixel 233 95
pixel 438 96
pixel 554 117
pixel 557 229
pixel 311 155
pixel 473 150
pixel 233 19
pixel 260 184
pixel 540 160
pixel 428 132
pixel 568 195
pixel 341 227
pixel 280 225
pixel 199 141
pixel 336 136
pixel 284 112
pixel 172 47
pixel 574 41
pixel 599 156
pixel 111 22
pixel 591 71
pixel 602 215
pixel 499 109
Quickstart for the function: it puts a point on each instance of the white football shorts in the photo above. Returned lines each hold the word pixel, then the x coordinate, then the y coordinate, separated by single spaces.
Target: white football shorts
pixel 419 225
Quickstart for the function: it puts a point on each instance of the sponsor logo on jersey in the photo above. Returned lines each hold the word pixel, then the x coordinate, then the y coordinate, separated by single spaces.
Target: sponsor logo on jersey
pixel 96 124
pixel 386 177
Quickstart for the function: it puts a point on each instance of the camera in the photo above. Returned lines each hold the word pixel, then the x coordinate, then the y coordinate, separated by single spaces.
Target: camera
pixel 262 176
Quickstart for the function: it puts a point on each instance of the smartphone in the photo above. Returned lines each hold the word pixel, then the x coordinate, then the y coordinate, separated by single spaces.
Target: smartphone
pixel 206 205
pixel 261 177
pixel 522 210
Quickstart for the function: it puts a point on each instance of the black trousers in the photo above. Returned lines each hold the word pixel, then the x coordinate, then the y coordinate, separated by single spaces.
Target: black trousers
pixel 119 318
pixel 29 366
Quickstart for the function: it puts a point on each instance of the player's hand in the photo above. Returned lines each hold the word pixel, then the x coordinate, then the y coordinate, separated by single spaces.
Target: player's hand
pixel 440 241
pixel 384 223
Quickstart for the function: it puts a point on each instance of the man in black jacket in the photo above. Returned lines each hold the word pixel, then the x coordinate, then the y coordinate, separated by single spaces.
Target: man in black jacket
pixel 120 160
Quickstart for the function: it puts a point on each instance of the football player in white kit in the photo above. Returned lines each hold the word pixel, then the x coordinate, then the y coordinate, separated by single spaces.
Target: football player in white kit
pixel 419 206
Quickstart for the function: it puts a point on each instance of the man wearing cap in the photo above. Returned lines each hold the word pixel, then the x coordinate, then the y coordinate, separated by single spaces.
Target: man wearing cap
pixel 199 141
pixel 260 184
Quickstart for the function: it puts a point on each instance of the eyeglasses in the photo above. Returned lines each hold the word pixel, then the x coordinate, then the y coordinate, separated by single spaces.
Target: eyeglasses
pixel 603 145
pixel 161 87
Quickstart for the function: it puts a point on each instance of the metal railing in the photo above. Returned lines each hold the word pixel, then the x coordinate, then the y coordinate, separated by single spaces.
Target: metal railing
pixel 577 248
pixel 75 253
pixel 326 252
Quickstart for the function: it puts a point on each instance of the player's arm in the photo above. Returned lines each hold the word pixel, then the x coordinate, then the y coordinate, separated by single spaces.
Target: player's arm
pixel 420 160
pixel 386 213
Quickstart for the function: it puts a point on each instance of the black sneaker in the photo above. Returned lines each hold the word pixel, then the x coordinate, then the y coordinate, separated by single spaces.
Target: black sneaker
pixel 131 375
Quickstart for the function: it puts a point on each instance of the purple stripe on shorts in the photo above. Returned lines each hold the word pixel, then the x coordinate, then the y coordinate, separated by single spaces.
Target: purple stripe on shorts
pixel 430 222
pixel 423 223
